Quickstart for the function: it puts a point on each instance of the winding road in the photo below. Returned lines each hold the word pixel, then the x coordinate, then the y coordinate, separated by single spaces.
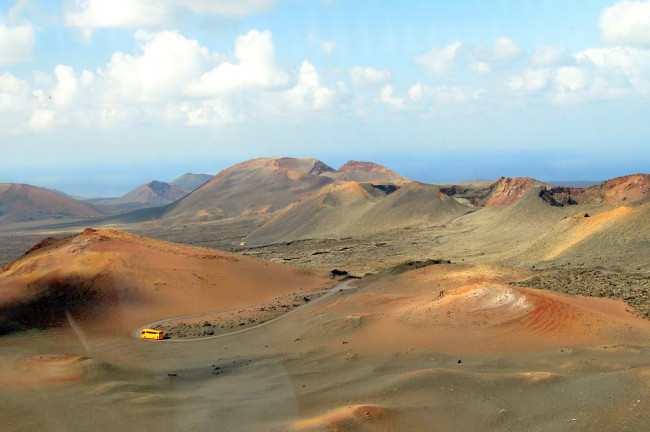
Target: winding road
pixel 327 293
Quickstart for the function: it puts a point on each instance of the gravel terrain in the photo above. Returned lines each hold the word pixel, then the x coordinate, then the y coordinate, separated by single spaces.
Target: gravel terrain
pixel 632 287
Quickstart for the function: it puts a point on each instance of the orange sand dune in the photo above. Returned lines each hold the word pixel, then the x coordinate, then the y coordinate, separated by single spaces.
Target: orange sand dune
pixel 445 308
pixel 111 281
pixel 354 417
pixel 580 228
pixel 34 370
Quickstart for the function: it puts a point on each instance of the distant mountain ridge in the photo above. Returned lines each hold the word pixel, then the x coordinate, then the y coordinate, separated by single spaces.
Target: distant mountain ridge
pixel 353 208
pixel 257 186
pixel 189 182
pixel 154 193
pixel 619 190
pixel 282 198
pixel 366 172
pixel 507 190
pixel 24 203
pixel 266 185
pixel 306 198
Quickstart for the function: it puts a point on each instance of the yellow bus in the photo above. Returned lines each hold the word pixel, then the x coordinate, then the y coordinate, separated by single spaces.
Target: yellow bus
pixel 151 334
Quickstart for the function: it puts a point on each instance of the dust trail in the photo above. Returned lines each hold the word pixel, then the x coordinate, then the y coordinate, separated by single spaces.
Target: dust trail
pixel 77 330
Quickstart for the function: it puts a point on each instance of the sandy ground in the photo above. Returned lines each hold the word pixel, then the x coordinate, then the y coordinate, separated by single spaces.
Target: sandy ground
pixel 220 323
pixel 445 347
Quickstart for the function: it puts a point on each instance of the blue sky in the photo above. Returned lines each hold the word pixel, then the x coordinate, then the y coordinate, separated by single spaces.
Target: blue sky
pixel 99 96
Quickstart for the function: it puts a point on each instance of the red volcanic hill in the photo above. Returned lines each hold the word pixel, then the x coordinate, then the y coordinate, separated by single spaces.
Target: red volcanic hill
pixel 503 191
pixel 506 191
pixel 627 189
pixel 619 190
pixel 22 203
pixel 113 282
pixel 366 172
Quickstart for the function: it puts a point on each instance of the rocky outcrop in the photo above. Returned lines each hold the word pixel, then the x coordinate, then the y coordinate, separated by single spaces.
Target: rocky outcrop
pixel 557 196
pixel 503 191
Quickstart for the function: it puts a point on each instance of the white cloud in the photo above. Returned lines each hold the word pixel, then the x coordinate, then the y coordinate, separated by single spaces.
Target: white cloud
pixel 14 93
pixel 386 97
pixel 416 92
pixel 530 81
pixel 67 87
pixel 168 78
pixel 504 49
pixel 41 120
pixel 481 68
pixel 621 57
pixel 439 61
pixel 364 76
pixel 620 66
pixel 548 56
pixel 256 68
pixel 328 46
pixel 626 23
pixel 308 94
pixel 16 43
pixel 88 15
pixel 449 95
pixel 227 7
pixel 571 78
pixel 209 112
pixel 121 116
pixel 87 78
pixel 167 63
pixel 444 95
pixel 595 74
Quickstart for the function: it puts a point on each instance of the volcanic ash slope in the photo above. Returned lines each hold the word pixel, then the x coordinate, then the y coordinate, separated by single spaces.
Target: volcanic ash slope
pixel 113 282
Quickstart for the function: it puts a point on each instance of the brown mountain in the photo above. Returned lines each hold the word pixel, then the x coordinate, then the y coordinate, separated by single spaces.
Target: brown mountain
pixel 506 190
pixel 503 191
pixel 266 185
pixel 351 208
pixel 621 232
pixel 284 199
pixel 585 230
pixel 366 172
pixel 189 182
pixel 22 203
pixel 258 186
pixel 153 192
pixel 619 190
pixel 112 282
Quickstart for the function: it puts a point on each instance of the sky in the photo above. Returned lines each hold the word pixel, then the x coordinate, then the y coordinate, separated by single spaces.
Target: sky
pixel 100 96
